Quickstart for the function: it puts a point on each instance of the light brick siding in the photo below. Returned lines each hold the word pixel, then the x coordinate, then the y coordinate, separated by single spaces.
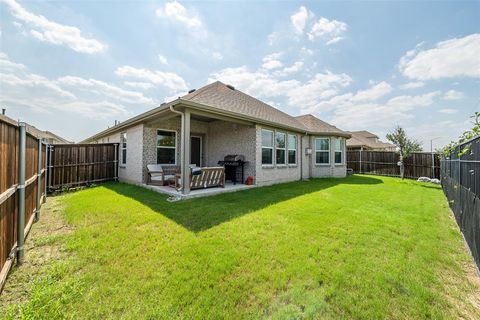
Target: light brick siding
pixel 330 170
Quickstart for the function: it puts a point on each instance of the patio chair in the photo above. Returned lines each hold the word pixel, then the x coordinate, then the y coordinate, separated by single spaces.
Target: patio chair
pixel 161 174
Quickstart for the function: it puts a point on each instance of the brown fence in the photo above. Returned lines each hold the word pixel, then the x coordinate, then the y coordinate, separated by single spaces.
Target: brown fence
pixel 72 165
pixel 13 190
pixel 385 163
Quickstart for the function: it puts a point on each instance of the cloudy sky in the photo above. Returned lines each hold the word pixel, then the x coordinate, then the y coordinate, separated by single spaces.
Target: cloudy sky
pixel 75 67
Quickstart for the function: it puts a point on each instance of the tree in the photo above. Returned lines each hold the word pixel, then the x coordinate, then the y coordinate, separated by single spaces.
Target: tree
pixel 405 146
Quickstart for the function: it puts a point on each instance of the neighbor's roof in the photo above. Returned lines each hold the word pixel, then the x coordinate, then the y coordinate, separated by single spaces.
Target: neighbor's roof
pixel 233 102
pixel 361 139
pixel 35 131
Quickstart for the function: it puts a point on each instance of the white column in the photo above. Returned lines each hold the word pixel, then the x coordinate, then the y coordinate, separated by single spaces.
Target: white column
pixel 186 152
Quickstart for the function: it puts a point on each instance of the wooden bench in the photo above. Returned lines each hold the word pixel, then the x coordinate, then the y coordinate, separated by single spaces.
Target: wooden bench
pixel 209 177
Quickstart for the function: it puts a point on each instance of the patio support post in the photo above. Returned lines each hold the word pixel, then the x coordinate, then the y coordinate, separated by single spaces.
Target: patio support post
pixel 39 180
pixel 186 152
pixel 21 191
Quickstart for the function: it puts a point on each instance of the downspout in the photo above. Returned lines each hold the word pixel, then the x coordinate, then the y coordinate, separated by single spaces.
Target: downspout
pixel 302 153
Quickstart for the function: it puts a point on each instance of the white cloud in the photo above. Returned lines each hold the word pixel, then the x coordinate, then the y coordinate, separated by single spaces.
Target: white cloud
pixel 299 19
pixel 104 89
pixel 299 95
pixel 271 61
pixel 52 32
pixel 412 85
pixel 176 12
pixel 169 80
pixel 442 132
pixel 453 95
pixel 295 67
pixel 375 92
pixel 162 59
pixel 458 57
pixel 139 85
pixel 217 55
pixel 448 111
pixel 330 31
pixel 5 63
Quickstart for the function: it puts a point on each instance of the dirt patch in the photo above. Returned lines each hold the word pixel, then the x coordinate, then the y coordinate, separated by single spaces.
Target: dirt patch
pixel 41 248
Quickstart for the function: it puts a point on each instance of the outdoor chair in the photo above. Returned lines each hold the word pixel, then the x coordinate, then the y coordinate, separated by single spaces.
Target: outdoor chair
pixel 161 174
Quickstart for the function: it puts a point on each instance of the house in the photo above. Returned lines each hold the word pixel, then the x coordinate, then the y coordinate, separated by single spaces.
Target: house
pixel 218 120
pixel 49 137
pixel 364 140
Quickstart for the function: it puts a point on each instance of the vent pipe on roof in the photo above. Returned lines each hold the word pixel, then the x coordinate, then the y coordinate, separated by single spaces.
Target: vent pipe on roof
pixel 3 111
pixel 190 91
pixel 229 86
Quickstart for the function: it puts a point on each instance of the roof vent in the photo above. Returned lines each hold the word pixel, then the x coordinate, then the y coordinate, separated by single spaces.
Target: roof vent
pixel 163 103
pixel 190 91
pixel 229 86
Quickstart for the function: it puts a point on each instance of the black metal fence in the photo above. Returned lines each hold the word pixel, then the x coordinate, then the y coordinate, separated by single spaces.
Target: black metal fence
pixel 461 184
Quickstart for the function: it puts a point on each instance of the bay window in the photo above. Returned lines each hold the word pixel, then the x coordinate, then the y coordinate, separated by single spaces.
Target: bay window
pixel 280 147
pixel 322 150
pixel 267 146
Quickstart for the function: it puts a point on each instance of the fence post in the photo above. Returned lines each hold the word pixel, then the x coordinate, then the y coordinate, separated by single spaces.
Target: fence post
pixel 39 179
pixel 361 159
pixel 46 172
pixel 115 164
pixel 21 192
pixel 50 167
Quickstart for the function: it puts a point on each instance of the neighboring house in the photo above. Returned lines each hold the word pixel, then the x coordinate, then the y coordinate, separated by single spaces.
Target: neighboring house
pixel 364 140
pixel 216 120
pixel 49 137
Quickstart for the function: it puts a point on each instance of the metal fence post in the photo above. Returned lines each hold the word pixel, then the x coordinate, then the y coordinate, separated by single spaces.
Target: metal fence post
pixel 50 166
pixel 360 159
pixel 39 180
pixel 46 172
pixel 115 164
pixel 21 192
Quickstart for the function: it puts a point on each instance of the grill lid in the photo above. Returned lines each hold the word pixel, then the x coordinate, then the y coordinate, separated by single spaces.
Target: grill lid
pixel 233 157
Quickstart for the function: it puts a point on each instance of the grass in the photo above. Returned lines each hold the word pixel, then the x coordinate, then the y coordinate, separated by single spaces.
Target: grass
pixel 363 247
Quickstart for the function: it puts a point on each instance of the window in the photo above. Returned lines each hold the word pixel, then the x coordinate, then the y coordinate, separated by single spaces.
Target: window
pixel 267 146
pixel 123 147
pixel 322 150
pixel 280 147
pixel 339 145
pixel 166 147
pixel 292 149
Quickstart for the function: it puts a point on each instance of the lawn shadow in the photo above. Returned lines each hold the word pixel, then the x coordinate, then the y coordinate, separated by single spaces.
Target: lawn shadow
pixel 200 214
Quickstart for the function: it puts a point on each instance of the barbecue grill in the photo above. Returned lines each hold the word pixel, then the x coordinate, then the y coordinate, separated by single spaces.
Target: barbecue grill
pixel 233 164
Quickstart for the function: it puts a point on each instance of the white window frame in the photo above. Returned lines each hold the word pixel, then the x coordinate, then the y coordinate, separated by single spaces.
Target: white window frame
pixel 272 148
pixel 284 148
pixel 292 149
pixel 327 151
pixel 123 146
pixel 342 152
pixel 164 147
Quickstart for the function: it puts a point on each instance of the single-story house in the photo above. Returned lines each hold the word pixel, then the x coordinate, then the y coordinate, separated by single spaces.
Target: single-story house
pixel 218 120
pixel 364 140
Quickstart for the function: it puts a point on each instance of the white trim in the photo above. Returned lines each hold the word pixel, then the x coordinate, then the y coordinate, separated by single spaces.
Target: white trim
pixel 342 151
pixel 272 148
pixel 156 145
pixel 201 148
pixel 329 149
pixel 123 162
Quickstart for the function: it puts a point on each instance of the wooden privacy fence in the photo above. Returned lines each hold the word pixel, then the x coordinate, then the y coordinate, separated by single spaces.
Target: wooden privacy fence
pixel 22 188
pixel 72 165
pixel 385 163
pixel 461 184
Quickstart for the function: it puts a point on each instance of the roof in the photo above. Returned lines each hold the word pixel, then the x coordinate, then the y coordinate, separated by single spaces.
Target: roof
pixel 313 124
pixel 225 98
pixel 37 132
pixel 363 139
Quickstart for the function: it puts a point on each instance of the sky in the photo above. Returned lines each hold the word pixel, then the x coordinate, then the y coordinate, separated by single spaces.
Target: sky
pixel 75 67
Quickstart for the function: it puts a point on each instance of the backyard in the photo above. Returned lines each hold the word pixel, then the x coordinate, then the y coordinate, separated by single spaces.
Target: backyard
pixel 363 247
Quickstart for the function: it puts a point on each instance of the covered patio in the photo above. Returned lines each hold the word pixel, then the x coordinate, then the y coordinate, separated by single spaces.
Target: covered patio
pixel 184 137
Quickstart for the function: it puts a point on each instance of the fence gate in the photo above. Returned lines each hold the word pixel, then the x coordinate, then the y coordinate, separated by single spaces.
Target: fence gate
pixel 72 165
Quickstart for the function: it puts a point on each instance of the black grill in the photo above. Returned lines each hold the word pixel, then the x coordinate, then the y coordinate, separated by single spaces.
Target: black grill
pixel 234 165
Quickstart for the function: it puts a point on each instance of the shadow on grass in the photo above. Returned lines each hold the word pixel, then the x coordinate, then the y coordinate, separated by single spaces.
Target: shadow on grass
pixel 200 214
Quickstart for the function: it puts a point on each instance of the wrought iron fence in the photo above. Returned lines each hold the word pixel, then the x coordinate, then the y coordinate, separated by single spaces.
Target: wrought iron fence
pixel 460 172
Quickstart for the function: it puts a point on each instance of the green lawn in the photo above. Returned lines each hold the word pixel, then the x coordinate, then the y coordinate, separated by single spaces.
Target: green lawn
pixel 363 247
